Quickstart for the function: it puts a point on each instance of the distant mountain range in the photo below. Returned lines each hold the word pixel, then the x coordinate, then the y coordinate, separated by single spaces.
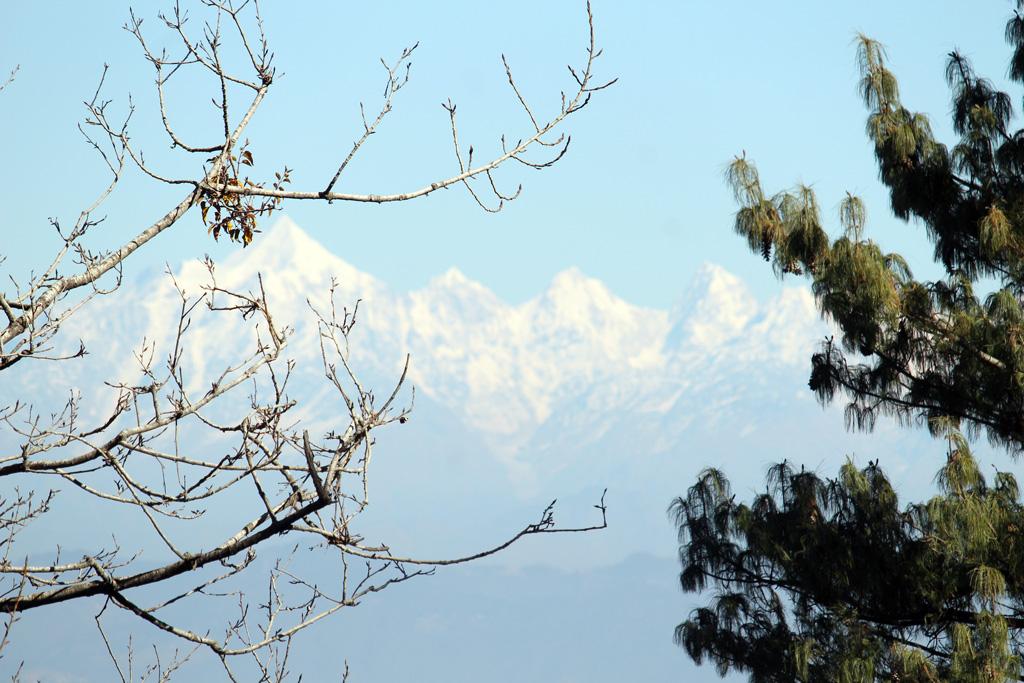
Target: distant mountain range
pixel 505 371
pixel 562 396
pixel 570 392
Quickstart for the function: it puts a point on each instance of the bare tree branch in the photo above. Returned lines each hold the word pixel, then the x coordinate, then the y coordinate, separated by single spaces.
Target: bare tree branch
pixel 168 451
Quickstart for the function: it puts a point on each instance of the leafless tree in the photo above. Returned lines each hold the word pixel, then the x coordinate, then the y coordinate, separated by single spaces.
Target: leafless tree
pixel 138 457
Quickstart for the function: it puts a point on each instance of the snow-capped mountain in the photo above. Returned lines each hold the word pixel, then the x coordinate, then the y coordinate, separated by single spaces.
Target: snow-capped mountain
pixel 574 352
pixel 565 394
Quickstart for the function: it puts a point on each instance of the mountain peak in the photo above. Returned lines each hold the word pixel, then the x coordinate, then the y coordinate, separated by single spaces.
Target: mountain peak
pixel 284 226
pixel 573 277
pixel 572 287
pixel 453 278
pixel 453 284
pixel 710 280
pixel 295 265
pixel 454 275
pixel 716 307
pixel 285 241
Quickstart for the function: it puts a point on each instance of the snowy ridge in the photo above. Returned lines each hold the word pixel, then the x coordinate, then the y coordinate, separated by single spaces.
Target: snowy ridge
pixel 575 352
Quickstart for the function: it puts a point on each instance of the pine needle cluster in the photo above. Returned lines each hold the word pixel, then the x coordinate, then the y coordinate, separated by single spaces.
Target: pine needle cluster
pixel 832 579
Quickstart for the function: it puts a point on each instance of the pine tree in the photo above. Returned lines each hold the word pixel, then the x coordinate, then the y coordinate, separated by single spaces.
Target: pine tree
pixel 833 579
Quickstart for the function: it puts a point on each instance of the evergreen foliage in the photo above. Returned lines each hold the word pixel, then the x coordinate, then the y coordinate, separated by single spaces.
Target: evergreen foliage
pixel 832 579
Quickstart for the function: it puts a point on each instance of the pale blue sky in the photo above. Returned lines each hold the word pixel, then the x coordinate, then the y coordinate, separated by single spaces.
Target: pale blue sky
pixel 639 202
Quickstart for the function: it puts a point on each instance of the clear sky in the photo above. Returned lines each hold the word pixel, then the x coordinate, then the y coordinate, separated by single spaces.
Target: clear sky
pixel 639 201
